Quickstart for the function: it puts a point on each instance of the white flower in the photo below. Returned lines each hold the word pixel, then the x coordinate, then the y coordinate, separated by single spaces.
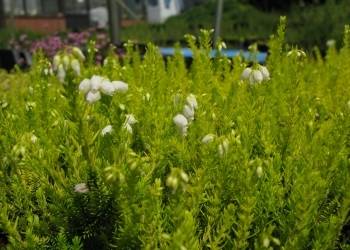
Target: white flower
pixel 120 87
pixel 76 66
pixel 66 61
pixel 331 43
pixel 208 138
pixel 188 112
pixel 222 45
pixel 107 130
pixel 56 61
pixel 96 82
pixel 105 61
pixel 61 73
pixel 246 73
pixel 33 139
pixel 192 101
pixel 130 119
pixel 81 188
pixel 107 87
pixel 127 127
pixel 85 86
pixel 223 147
pixel 93 96
pixel 256 76
pixel 172 182
pixel 184 176
pixel 264 71
pixel 78 53
pixel 181 123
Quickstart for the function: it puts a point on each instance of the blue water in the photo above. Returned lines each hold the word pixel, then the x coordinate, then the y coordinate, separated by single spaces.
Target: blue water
pixel 230 53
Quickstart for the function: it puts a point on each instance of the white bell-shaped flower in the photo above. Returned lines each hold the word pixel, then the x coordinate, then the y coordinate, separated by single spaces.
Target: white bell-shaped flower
pixel 120 87
pixel 33 138
pixel 188 112
pixel 85 86
pixel 93 96
pixel 78 53
pixel 246 73
pixel 208 138
pixel 181 124
pixel 76 66
pixel 265 72
pixel 184 176
pixel 61 73
pixel 256 76
pixel 66 61
pixel 107 130
pixel 96 82
pixel 192 101
pixel 223 147
pixel 107 87
pixel 127 127
pixel 130 119
pixel 56 61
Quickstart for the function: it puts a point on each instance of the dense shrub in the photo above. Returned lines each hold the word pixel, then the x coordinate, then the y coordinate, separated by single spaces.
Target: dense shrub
pixel 274 174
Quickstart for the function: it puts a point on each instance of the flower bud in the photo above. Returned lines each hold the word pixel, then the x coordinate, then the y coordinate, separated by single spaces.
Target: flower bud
pixel 107 88
pixel 188 112
pixel 78 53
pixel 85 86
pixel 96 82
pixel 246 73
pixel 256 77
pixel 181 123
pixel 120 87
pixel 208 138
pixel 192 101
pixel 93 96
pixel 264 71
pixel 76 66
pixel 61 73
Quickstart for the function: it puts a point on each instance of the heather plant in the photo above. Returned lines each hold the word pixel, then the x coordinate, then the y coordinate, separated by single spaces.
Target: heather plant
pixel 177 157
pixel 53 44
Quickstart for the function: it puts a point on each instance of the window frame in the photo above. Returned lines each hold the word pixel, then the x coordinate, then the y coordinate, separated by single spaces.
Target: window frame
pixel 40 8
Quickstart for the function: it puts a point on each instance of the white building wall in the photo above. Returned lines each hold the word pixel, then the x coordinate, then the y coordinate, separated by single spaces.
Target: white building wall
pixel 160 12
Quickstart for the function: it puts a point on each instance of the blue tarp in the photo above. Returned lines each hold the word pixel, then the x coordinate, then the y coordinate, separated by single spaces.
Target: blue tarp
pixel 230 53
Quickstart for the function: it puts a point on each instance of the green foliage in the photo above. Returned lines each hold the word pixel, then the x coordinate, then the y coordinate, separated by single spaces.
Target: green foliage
pixel 309 25
pixel 274 176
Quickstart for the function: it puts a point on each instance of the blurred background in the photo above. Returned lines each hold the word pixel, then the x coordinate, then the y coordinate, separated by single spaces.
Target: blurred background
pixel 50 24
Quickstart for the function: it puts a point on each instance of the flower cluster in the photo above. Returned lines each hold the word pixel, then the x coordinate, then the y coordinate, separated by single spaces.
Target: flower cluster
pixel 183 120
pixel 177 177
pixel 256 75
pixel 92 88
pixel 62 63
pixel 130 120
